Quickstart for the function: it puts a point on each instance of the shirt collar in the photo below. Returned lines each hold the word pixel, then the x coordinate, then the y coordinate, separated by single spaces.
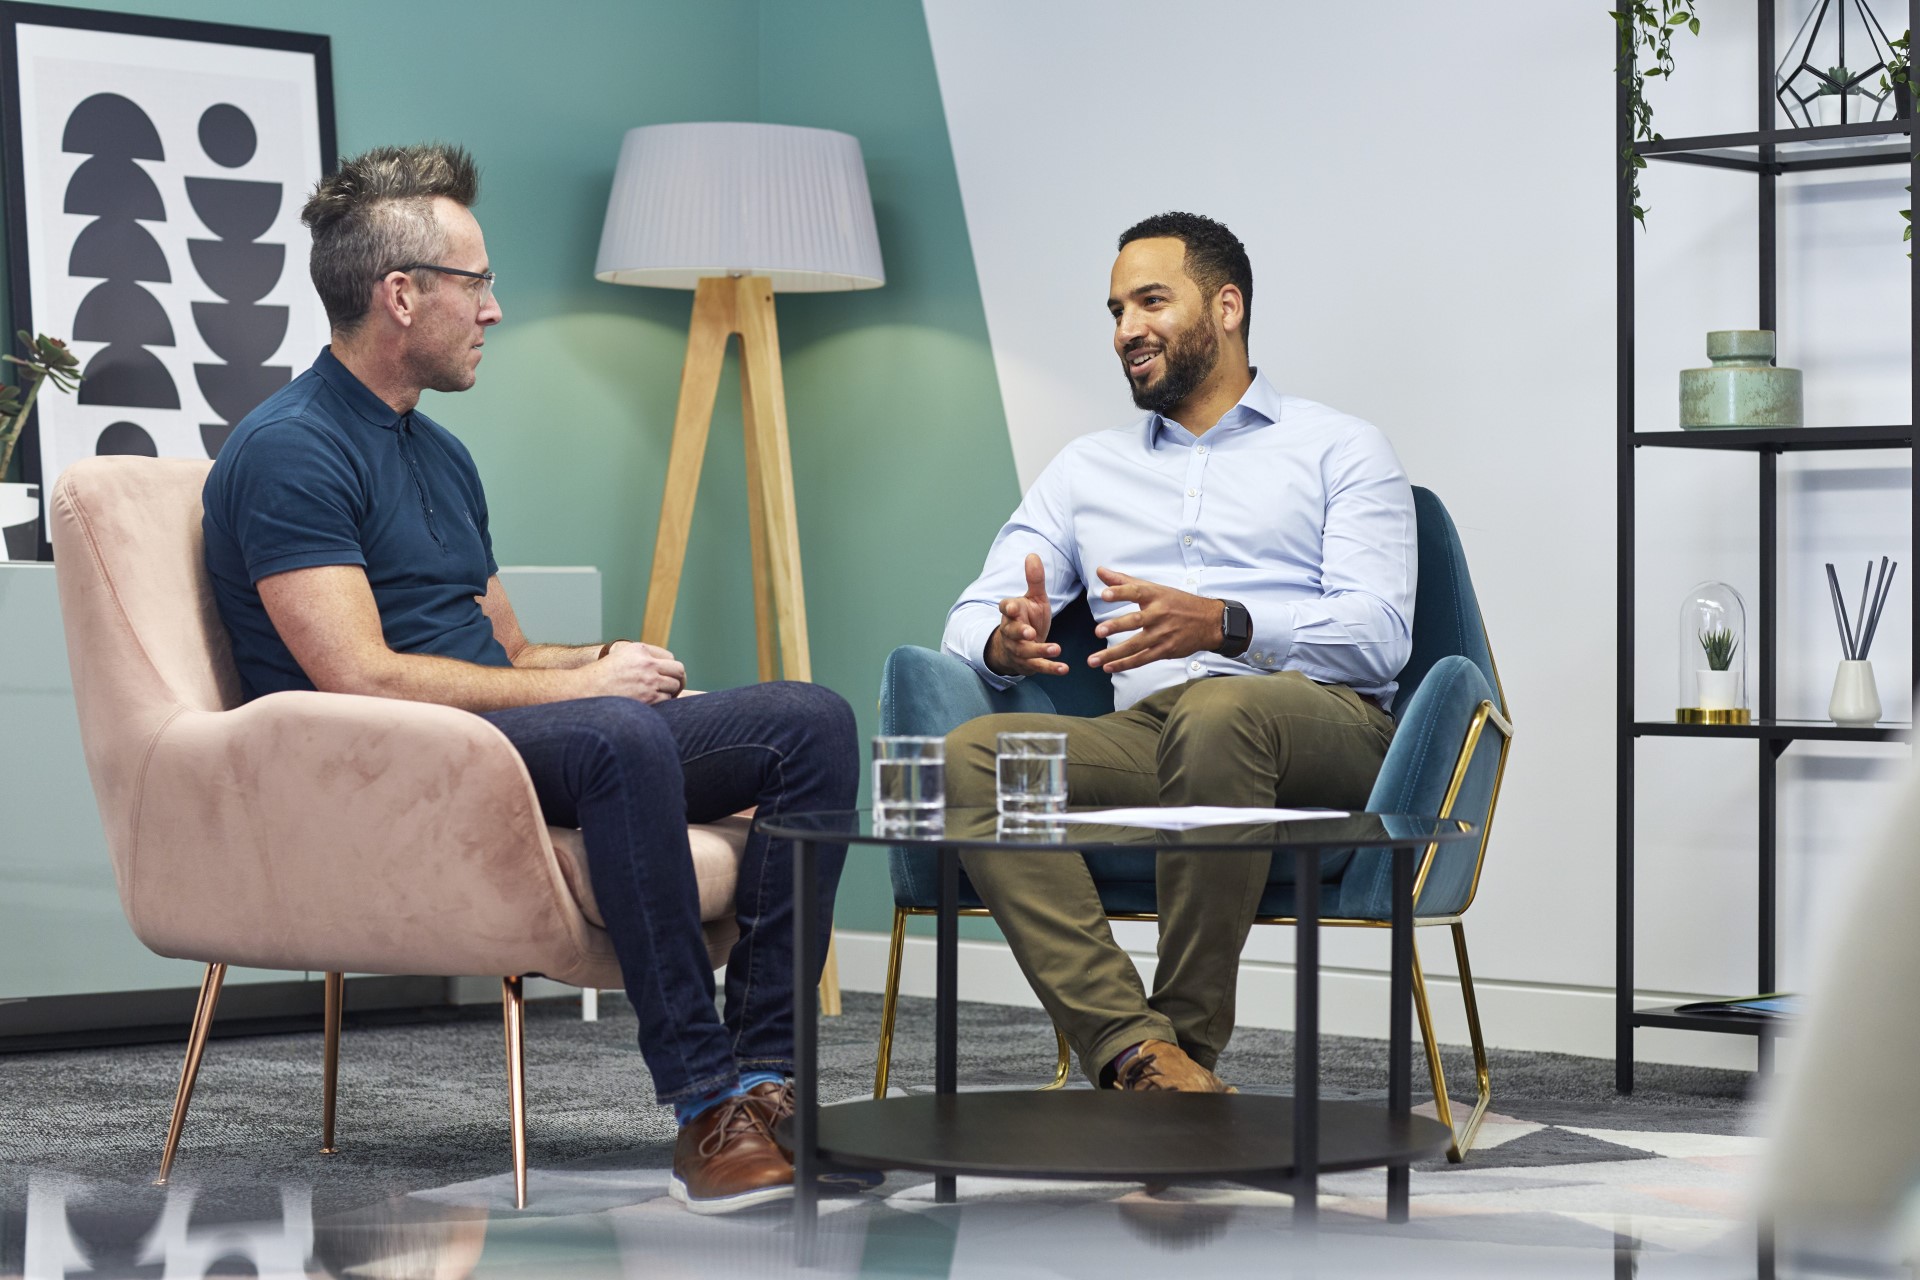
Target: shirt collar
pixel 350 389
pixel 1258 407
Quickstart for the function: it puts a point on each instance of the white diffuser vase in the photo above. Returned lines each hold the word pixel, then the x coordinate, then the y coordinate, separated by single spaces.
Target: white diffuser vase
pixel 1856 698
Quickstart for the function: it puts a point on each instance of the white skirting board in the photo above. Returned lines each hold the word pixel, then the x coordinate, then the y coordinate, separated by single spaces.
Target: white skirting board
pixel 1353 1002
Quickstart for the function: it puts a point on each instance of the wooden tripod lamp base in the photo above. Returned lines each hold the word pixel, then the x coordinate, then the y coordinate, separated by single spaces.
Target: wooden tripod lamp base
pixel 723 307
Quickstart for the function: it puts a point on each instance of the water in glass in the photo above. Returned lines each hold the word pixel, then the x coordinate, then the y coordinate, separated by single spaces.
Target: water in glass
pixel 1031 774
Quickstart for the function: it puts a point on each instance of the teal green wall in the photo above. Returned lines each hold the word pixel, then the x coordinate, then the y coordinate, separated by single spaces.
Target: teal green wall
pixel 901 459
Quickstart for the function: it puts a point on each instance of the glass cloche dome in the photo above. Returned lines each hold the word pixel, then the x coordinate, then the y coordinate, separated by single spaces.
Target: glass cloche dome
pixel 1713 656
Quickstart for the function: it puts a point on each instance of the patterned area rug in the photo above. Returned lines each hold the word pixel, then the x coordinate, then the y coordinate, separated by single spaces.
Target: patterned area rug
pixel 1565 1170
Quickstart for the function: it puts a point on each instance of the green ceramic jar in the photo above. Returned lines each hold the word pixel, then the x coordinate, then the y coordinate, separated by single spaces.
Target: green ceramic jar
pixel 1742 389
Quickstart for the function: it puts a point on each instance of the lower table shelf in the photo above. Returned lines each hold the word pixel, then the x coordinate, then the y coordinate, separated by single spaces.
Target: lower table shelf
pixel 1098 1134
pixel 1731 1024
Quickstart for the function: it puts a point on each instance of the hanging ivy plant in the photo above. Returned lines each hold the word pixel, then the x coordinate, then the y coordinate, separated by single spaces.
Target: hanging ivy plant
pixel 1900 81
pixel 1646 28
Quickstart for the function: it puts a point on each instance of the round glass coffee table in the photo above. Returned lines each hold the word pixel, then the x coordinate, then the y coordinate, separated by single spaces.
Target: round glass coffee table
pixel 1259 1139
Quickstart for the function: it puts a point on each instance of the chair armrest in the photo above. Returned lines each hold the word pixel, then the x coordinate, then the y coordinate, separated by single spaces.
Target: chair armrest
pixel 1420 768
pixel 333 832
pixel 924 691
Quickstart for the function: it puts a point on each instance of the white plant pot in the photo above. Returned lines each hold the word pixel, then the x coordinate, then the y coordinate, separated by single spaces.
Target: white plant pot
pixel 19 521
pixel 1716 690
pixel 1856 699
pixel 1826 109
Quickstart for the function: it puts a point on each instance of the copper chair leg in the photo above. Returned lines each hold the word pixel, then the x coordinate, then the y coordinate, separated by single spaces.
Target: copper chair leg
pixel 336 1005
pixel 890 1004
pixel 190 1069
pixel 513 1011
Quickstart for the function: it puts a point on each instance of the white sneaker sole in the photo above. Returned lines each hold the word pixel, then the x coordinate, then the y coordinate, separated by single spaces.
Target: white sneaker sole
pixel 728 1204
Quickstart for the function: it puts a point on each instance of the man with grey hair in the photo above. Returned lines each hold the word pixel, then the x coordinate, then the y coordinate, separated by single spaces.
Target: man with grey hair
pixel 347 539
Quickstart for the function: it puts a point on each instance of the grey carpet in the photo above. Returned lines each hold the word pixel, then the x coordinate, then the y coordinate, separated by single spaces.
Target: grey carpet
pixel 424 1106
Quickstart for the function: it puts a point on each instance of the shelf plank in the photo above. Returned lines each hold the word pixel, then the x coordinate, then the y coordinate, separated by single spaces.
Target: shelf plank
pixel 1729 1024
pixel 1859 134
pixel 1779 439
pixel 1777 731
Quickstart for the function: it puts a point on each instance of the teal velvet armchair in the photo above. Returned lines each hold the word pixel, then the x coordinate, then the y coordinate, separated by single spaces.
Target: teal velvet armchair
pixel 1443 761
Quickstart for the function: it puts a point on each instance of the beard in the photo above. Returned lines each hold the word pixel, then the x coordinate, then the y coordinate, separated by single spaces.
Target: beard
pixel 1186 361
pixel 444 366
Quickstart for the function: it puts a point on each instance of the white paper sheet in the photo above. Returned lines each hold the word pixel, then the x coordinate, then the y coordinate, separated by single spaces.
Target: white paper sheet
pixel 1186 817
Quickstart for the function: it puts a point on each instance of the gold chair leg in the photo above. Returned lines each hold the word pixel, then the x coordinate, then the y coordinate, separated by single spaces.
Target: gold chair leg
pixel 513 1011
pixel 190 1068
pixel 1062 1068
pixel 889 1004
pixel 1442 1106
pixel 329 1089
pixel 1483 1080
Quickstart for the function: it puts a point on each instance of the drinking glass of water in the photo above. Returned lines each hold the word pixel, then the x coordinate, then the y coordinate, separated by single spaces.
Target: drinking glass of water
pixel 1031 775
pixel 909 781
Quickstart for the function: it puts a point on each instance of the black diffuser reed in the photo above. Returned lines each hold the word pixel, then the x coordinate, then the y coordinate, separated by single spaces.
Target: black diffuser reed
pixel 1856 633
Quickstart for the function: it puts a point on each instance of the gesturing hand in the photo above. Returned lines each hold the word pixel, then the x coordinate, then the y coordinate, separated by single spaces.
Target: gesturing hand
pixel 1018 646
pixel 645 672
pixel 1171 623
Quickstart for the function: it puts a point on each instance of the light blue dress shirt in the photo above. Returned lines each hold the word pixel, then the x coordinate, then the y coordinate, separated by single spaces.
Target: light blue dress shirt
pixel 1300 512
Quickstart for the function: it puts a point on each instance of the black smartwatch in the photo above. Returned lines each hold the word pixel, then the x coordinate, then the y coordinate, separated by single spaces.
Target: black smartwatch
pixel 1236 629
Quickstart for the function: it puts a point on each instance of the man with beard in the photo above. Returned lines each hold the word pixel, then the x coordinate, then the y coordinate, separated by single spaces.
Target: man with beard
pixel 1249 557
pixel 347 540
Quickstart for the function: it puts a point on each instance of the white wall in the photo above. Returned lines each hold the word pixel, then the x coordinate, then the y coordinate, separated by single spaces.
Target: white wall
pixel 1426 192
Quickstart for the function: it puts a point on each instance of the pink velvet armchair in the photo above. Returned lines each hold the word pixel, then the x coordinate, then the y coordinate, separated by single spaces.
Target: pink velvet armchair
pixel 307 831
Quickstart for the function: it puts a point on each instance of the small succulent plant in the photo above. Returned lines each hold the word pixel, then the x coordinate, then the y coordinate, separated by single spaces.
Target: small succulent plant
pixel 46 360
pixel 1719 644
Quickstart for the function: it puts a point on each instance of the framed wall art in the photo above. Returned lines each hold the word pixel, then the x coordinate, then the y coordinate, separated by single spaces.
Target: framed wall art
pixel 155 171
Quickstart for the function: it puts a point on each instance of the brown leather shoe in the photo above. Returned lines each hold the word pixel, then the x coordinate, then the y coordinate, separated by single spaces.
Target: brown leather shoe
pixel 1157 1065
pixel 776 1104
pixel 726 1159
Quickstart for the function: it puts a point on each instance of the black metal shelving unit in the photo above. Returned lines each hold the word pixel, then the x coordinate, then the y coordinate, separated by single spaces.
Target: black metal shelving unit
pixel 1765 153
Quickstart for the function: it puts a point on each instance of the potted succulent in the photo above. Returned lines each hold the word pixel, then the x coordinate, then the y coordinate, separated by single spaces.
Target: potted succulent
pixel 1719 685
pixel 1830 99
pixel 46 360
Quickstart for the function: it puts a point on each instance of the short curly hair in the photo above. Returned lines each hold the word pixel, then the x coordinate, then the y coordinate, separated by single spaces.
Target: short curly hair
pixel 375 213
pixel 1215 255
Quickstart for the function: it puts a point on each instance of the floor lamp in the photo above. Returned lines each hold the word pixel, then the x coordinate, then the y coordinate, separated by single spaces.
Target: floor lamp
pixel 737 213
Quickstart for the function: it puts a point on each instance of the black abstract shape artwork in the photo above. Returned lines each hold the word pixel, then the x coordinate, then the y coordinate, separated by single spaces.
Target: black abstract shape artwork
pixel 239 330
pixel 115 249
pixel 126 438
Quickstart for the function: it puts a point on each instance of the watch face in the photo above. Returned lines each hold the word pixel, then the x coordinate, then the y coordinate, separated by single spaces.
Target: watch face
pixel 1237 627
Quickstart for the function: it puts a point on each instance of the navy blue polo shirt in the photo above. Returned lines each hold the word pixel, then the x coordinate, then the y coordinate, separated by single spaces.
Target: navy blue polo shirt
pixel 324 472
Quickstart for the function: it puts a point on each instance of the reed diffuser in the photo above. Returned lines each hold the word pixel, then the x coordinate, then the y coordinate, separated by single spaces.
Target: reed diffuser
pixel 1856 698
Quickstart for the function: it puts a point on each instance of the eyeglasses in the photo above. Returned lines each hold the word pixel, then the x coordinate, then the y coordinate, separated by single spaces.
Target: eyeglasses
pixel 486 278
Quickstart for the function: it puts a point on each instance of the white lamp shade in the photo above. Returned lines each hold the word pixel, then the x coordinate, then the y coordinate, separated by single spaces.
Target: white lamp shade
pixel 692 201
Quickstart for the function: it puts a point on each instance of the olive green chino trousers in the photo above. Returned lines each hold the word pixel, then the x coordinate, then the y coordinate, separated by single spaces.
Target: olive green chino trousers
pixel 1265 741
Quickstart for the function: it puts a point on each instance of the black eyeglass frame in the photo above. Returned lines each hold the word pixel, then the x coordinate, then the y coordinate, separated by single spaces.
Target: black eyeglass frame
pixel 487 277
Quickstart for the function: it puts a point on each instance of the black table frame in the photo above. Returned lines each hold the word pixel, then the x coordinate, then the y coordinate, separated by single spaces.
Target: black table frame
pixel 804 1131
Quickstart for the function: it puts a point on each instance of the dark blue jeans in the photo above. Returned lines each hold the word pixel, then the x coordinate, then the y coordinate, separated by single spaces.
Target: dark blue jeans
pixel 632 777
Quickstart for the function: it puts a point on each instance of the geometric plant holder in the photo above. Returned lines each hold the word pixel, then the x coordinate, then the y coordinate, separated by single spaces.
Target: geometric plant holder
pixel 1822 48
